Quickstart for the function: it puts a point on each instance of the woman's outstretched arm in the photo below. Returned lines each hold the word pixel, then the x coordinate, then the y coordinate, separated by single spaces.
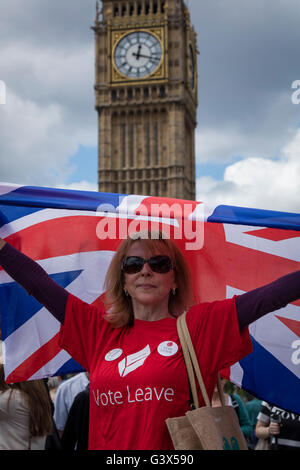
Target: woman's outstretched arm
pixel 250 306
pixel 258 302
pixel 34 279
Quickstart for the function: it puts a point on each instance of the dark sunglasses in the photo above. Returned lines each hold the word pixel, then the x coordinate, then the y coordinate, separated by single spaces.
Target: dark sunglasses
pixel 158 264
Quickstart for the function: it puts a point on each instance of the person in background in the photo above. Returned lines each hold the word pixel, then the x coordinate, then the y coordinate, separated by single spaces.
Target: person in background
pixel 25 414
pixel 280 427
pixel 53 384
pixel 253 406
pixel 76 431
pixel 65 395
pixel 233 399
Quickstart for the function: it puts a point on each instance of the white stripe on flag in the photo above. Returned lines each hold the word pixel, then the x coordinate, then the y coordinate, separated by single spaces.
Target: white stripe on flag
pixel 52 366
pixel 29 337
pixel 236 374
pixel 6 188
pixel 288 248
pixel 130 203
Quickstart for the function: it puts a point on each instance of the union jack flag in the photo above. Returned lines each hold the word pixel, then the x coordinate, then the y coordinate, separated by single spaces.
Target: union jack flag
pixel 73 236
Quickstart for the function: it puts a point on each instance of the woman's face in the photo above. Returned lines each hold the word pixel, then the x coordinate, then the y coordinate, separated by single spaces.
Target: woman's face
pixel 148 287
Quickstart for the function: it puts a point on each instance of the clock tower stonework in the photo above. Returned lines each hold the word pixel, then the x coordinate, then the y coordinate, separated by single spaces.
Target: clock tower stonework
pixel 146 97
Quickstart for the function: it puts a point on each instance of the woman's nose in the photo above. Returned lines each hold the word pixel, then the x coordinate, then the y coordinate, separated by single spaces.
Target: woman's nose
pixel 146 269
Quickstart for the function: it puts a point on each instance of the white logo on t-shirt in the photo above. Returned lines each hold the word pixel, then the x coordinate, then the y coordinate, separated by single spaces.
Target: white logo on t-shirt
pixel 133 361
pixel 113 354
pixel 167 348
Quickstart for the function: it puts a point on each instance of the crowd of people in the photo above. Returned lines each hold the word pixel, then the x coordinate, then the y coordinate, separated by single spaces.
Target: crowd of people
pixel 148 285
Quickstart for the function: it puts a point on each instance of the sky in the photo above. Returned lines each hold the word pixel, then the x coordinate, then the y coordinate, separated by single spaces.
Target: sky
pixel 248 117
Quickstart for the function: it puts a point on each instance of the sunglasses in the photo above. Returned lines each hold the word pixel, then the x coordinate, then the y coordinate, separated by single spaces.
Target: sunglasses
pixel 159 264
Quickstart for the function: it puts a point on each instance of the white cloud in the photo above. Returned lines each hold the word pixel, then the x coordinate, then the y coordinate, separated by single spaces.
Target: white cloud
pixel 34 147
pixel 80 185
pixel 48 112
pixel 258 182
pixel 260 133
pixel 214 144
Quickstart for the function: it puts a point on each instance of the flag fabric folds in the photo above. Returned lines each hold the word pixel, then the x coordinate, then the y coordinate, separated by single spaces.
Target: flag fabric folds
pixel 73 236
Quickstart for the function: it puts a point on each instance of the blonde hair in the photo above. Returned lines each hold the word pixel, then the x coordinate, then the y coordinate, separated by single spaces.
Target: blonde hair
pixel 119 306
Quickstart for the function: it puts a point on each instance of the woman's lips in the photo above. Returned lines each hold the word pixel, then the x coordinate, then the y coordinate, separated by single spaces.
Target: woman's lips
pixel 146 286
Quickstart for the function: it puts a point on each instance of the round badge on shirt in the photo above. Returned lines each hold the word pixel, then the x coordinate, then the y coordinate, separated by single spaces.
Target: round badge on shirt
pixel 113 354
pixel 167 348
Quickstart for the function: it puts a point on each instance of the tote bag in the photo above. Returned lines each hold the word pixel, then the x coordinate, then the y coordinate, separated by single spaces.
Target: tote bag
pixel 206 427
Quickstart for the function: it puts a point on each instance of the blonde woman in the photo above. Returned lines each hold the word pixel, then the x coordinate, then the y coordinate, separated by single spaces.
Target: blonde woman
pixel 130 344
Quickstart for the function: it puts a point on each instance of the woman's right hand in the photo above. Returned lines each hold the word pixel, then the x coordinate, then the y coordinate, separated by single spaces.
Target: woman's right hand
pixel 2 243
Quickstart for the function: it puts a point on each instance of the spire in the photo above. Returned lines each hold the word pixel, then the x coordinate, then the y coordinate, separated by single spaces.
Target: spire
pixel 98 12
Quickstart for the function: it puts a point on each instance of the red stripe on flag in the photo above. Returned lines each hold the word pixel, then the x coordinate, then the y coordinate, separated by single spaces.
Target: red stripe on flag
pixel 61 236
pixel 34 362
pixel 293 325
pixel 274 234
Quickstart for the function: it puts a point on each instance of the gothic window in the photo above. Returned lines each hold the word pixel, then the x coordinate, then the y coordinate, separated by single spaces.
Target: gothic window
pixel 162 91
pixel 156 151
pixel 123 144
pixel 147 143
pixel 131 144
pixel 116 10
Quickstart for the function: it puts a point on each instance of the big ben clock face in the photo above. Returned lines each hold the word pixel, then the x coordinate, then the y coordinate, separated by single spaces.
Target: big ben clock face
pixel 138 54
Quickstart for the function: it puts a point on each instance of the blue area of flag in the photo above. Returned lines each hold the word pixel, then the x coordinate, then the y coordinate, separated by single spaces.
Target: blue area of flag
pixel 268 379
pixel 16 299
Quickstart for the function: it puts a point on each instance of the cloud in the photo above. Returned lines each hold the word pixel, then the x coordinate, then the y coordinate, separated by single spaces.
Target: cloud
pixel 246 66
pixel 49 111
pixel 80 185
pixel 258 182
pixel 264 134
pixel 37 142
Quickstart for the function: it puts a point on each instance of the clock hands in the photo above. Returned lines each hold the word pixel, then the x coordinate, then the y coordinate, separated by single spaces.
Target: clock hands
pixel 138 52
pixel 138 55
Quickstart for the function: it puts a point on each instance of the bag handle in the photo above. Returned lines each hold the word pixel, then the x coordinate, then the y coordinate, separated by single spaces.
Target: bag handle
pixel 188 362
pixel 192 364
pixel 191 360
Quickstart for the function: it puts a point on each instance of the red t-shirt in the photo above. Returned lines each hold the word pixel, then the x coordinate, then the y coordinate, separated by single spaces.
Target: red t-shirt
pixel 137 374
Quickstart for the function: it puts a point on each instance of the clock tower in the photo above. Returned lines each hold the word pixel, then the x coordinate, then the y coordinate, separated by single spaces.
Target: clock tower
pixel 146 97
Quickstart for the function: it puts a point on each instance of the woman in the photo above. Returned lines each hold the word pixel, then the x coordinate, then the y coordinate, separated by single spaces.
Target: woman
pixel 25 415
pixel 130 346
